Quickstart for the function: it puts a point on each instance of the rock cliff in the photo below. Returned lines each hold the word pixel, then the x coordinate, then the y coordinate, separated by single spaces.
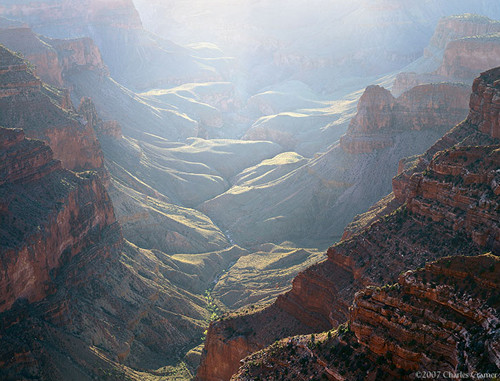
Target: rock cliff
pixel 380 115
pixel 451 199
pixel 480 128
pixel 45 113
pixel 440 319
pixel 462 46
pixel 46 216
pixel 109 128
pixel 457 27
pixel 53 59
pixel 466 57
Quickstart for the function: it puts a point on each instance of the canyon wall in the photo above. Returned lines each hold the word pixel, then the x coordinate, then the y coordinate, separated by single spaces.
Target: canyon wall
pixel 380 115
pixel 462 46
pixel 64 213
pixel 441 319
pixel 44 113
pixel 53 59
pixel 466 57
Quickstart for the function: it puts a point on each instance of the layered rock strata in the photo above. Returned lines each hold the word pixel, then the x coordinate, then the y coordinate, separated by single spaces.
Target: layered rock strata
pixel 462 46
pixel 380 115
pixel 480 128
pixel 43 113
pixel 48 216
pixel 466 57
pixel 53 59
pixel 442 319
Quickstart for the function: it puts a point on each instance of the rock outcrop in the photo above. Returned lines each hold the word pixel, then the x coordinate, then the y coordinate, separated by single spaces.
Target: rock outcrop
pixel 109 128
pixel 60 221
pixel 485 105
pixel 480 128
pixel 15 78
pixel 380 115
pixel 441 319
pixel 456 27
pixel 466 57
pixel 77 301
pixel 43 113
pixel 462 46
pixel 53 59
pixel 453 201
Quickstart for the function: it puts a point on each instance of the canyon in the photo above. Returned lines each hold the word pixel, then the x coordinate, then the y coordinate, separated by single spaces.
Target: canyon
pixel 166 203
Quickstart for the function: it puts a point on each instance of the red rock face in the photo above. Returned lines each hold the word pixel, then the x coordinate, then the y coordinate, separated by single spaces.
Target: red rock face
pixel 465 58
pixel 32 164
pixel 485 104
pixel 23 40
pixel 463 46
pixel 109 128
pixel 407 80
pixel 375 110
pixel 14 76
pixel 380 115
pixel 25 103
pixel 480 128
pixel 53 59
pixel 70 284
pixel 56 231
pixel 455 179
pixel 437 290
pixel 78 54
pixel 456 27
pixel 439 319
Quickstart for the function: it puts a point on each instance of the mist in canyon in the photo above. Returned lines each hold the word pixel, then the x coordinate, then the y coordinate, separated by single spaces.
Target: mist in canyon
pixel 173 176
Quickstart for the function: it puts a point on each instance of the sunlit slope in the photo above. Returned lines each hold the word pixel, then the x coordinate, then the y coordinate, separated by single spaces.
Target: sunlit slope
pixel 189 173
pixel 269 170
pixel 259 277
pixel 285 96
pixel 135 114
pixel 294 116
pixel 214 105
pixel 154 224
pixel 316 199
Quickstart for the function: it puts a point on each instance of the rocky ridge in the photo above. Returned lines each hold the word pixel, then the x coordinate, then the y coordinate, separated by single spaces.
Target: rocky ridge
pixel 442 319
pixel 78 301
pixel 59 224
